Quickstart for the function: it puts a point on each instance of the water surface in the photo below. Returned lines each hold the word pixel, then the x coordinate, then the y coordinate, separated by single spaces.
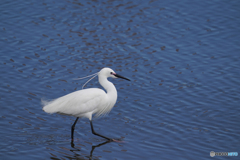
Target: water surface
pixel 182 58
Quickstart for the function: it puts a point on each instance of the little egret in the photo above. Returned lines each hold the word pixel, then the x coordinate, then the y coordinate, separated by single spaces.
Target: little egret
pixel 86 102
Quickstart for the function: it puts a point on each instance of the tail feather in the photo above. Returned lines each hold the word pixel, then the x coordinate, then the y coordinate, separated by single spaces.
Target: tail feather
pixel 47 105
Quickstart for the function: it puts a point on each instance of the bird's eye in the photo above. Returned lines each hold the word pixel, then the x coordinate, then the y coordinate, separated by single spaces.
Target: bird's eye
pixel 111 72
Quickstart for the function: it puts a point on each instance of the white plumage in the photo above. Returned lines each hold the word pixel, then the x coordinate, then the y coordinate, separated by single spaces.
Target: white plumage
pixel 86 102
pixel 80 103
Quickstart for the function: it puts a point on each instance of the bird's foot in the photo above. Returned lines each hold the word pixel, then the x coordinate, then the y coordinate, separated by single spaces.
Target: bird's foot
pixel 119 141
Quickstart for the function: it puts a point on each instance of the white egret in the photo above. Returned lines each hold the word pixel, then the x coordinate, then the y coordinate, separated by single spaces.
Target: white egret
pixel 86 102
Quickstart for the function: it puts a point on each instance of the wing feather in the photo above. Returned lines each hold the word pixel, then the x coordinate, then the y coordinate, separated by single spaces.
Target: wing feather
pixel 77 103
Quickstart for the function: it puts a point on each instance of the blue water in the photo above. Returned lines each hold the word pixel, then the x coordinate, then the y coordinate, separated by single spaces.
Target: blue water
pixel 183 59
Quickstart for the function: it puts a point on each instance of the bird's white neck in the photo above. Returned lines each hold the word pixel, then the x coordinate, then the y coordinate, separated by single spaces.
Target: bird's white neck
pixel 108 86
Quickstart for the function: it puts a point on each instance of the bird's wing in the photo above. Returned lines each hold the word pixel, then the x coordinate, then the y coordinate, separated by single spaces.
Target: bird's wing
pixel 77 103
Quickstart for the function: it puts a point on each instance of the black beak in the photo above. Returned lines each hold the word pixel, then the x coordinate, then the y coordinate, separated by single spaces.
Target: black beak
pixel 117 75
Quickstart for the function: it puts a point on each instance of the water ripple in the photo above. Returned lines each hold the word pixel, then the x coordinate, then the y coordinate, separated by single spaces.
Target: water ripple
pixel 182 59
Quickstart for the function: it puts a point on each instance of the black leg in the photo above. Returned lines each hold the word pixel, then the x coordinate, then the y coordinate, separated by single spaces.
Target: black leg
pixel 73 127
pixel 109 139
pixel 93 147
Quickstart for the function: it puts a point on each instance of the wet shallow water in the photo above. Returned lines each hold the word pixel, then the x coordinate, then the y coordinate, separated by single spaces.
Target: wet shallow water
pixel 182 57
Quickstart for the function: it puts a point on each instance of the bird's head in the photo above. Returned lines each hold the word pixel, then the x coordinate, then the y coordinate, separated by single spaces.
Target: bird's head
pixel 108 72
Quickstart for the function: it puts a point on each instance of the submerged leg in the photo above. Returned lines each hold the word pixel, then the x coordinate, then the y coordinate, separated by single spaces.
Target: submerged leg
pixel 93 147
pixel 73 127
pixel 109 139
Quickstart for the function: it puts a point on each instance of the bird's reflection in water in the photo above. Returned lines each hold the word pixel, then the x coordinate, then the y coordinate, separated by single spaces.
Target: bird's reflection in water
pixel 93 147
